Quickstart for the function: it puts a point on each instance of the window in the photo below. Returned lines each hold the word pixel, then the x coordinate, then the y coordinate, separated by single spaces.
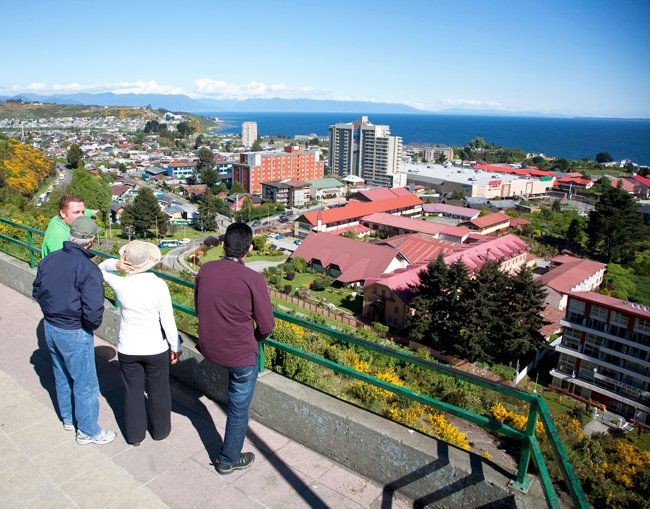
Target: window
pixel 571 339
pixel 566 364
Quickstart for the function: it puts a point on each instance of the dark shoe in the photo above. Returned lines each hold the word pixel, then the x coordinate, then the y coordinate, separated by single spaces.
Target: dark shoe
pixel 245 461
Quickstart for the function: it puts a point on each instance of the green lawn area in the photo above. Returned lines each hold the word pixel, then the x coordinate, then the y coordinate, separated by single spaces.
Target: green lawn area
pixel 558 404
pixel 216 253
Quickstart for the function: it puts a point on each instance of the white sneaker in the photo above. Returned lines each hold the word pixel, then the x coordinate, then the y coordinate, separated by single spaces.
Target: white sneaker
pixel 68 427
pixel 103 437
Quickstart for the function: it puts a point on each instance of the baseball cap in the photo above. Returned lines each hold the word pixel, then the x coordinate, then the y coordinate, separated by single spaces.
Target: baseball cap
pixel 83 228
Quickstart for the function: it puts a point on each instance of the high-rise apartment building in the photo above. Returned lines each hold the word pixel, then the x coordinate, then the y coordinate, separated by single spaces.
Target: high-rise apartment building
pixel 366 150
pixel 295 162
pixel 605 354
pixel 248 133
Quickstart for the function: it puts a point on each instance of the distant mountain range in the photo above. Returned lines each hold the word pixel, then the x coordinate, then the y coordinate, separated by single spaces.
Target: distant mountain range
pixel 189 105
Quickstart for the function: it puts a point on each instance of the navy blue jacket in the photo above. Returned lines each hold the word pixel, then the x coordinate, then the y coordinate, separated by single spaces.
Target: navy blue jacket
pixel 68 287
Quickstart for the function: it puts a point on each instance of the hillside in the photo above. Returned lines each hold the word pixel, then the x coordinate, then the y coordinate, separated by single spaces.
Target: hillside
pixel 37 110
pixel 25 110
pixel 184 103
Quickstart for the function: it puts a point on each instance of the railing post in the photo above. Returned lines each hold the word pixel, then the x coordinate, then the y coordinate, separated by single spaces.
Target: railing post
pixel 523 480
pixel 260 366
pixel 30 241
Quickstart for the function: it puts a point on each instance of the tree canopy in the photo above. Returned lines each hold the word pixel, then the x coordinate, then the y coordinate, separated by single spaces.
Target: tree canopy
pixel 615 228
pixel 463 314
pixel 604 157
pixel 93 189
pixel 236 187
pixel 144 214
pixel 75 155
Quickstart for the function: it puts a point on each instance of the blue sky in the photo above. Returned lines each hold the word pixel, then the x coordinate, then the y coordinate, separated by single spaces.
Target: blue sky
pixel 586 58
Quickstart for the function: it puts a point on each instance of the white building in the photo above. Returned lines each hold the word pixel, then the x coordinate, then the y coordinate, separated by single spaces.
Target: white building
pixel 248 133
pixel 366 150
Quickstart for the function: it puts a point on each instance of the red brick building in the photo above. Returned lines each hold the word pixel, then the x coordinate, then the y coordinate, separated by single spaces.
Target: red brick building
pixel 295 162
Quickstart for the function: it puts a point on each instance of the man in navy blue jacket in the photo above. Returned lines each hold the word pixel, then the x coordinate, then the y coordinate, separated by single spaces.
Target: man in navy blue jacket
pixel 68 287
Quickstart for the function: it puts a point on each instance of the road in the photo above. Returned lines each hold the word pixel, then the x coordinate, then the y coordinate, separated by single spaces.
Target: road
pixel 175 259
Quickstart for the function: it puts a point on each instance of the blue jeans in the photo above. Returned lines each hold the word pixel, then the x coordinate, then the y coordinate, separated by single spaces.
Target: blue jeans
pixel 75 376
pixel 241 387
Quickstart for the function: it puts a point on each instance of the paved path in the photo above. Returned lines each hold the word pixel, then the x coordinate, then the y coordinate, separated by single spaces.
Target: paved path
pixel 42 467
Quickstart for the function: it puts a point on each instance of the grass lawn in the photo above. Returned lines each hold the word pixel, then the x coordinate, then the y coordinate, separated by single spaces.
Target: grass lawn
pixel 216 253
pixel 558 404
pixel 341 297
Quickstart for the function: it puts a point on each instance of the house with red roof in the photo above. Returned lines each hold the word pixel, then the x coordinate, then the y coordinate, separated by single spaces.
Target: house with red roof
pixel 627 185
pixel 350 261
pixel 573 183
pixel 386 298
pixel 570 274
pixel 489 224
pixel 643 183
pixel 400 225
pixel 352 213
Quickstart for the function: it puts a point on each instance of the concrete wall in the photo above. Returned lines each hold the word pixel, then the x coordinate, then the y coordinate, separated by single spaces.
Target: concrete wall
pixel 429 471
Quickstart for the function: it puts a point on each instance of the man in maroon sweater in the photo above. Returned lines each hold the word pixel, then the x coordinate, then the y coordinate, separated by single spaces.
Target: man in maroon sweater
pixel 235 312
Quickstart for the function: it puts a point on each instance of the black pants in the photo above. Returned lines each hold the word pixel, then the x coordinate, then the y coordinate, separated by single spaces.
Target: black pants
pixel 148 373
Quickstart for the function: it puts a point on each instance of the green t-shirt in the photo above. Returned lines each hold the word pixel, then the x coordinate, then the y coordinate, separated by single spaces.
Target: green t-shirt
pixel 57 233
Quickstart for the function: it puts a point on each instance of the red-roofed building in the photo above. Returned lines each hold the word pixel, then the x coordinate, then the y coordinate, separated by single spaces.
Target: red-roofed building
pixel 627 185
pixel 386 298
pixel 442 209
pixel 569 183
pixel 491 223
pixel 352 213
pixel 605 354
pixel 380 193
pixel 419 247
pixel 570 274
pixel 350 261
pixel 399 225
pixel 643 183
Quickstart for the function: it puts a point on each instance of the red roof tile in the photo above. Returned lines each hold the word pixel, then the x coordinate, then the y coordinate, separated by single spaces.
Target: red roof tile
pixel 571 272
pixel 631 308
pixel 489 221
pixel 419 247
pixel 357 260
pixel 356 210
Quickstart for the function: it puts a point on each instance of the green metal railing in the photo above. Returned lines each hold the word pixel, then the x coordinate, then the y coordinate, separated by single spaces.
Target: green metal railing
pixel 529 444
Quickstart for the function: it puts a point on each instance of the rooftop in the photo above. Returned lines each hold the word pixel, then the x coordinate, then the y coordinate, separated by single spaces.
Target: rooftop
pixel 569 273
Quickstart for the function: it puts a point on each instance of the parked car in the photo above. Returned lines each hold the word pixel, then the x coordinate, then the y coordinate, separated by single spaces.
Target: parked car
pixel 185 241
pixel 278 236
pixel 297 242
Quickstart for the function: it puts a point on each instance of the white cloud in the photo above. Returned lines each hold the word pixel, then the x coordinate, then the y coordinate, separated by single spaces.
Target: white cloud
pixel 221 89
pixel 472 103
pixel 121 87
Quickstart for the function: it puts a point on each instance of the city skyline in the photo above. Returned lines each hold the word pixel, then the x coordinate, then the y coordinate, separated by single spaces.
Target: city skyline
pixel 579 58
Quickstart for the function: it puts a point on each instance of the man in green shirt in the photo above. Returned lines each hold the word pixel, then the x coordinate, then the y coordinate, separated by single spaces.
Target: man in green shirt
pixel 71 207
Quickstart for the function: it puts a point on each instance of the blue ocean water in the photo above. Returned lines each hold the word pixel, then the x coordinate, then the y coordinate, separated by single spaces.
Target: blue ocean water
pixel 572 138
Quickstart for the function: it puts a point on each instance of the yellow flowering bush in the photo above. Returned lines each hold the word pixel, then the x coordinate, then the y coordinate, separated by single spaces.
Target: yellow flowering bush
pixel 518 421
pixel 445 431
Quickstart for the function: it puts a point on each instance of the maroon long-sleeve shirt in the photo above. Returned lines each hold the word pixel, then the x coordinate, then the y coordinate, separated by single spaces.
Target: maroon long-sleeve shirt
pixel 229 297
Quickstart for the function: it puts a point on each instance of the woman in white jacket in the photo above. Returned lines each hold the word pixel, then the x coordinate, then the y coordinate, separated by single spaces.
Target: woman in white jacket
pixel 148 341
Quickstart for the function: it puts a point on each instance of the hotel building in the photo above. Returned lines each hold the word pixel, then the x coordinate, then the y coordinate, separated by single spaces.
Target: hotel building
pixel 365 150
pixel 605 354
pixel 294 163
pixel 248 133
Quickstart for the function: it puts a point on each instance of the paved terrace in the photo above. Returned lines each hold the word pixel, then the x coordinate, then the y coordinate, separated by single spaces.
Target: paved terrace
pixel 41 465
